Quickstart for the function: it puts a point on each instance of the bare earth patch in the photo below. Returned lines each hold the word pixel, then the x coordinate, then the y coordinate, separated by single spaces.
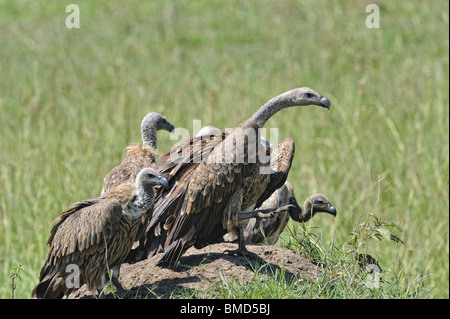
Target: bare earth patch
pixel 201 269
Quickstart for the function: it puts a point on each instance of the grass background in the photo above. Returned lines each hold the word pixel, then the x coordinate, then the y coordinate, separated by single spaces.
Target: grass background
pixel 72 99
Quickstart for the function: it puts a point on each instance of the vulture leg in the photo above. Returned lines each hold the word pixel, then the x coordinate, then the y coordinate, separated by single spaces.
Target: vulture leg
pixel 120 290
pixel 265 213
pixel 115 281
pixel 259 215
pixel 242 250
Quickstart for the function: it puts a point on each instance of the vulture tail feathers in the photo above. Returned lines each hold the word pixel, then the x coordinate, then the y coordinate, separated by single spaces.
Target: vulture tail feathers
pixel 50 288
pixel 172 253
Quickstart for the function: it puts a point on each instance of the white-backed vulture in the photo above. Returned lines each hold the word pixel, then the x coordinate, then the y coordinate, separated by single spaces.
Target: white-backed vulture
pixel 138 156
pixel 208 198
pixel 93 236
pixel 269 230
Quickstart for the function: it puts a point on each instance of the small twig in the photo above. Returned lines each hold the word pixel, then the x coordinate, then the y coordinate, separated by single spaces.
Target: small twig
pixel 15 274
pixel 12 286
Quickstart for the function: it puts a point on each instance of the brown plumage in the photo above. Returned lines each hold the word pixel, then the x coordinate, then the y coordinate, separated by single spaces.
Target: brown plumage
pixel 208 198
pixel 176 166
pixel 138 156
pixel 268 230
pixel 95 235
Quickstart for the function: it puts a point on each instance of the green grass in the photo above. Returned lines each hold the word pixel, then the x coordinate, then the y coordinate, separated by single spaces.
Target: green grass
pixel 72 99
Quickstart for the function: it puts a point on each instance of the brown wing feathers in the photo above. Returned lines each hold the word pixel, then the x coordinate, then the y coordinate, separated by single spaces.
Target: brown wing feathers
pixel 281 160
pixel 79 233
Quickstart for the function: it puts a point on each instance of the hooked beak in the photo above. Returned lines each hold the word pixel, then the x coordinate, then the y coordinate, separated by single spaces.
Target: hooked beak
pixel 324 101
pixel 331 210
pixel 162 181
pixel 328 209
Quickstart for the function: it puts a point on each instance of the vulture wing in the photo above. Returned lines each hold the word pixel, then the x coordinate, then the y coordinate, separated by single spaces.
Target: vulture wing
pixel 201 196
pixel 84 228
pixel 177 166
pixel 79 232
pixel 280 164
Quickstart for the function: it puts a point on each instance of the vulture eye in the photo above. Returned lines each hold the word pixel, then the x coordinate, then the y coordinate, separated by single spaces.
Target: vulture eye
pixel 309 95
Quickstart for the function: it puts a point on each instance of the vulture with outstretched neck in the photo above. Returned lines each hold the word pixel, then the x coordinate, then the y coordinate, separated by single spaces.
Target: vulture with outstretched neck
pixel 269 230
pixel 217 183
pixel 93 236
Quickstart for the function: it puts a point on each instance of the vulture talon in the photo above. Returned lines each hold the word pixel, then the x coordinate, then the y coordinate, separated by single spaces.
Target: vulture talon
pixel 237 252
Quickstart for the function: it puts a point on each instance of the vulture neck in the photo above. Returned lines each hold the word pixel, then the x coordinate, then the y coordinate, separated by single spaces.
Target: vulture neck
pixel 274 105
pixel 144 199
pixel 149 136
pixel 302 214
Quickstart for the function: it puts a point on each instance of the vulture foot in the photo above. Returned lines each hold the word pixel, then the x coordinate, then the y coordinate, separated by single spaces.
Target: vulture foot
pixel 120 290
pixel 238 252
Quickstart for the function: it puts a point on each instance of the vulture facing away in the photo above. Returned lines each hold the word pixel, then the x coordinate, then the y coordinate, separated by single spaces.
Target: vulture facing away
pixel 93 236
pixel 217 182
pixel 269 230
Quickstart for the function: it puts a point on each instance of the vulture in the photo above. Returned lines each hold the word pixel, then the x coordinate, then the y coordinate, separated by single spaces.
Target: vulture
pixel 269 230
pixel 95 235
pixel 215 183
pixel 138 156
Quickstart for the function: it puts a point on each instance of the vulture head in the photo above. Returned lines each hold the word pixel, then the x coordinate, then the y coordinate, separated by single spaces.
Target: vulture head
pixel 306 96
pixel 317 203
pixel 144 196
pixel 208 131
pixel 151 123
pixel 148 178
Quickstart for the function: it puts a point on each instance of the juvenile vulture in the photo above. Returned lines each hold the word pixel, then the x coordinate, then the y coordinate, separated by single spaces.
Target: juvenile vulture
pixel 138 156
pixel 221 182
pixel 269 230
pixel 93 236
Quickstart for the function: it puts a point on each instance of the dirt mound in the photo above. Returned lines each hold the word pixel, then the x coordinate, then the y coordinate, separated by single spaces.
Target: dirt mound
pixel 201 269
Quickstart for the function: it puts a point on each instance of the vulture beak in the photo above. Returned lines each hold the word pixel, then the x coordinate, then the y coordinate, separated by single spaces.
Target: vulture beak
pixel 324 101
pixel 171 128
pixel 162 181
pixel 327 209
pixel 330 210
